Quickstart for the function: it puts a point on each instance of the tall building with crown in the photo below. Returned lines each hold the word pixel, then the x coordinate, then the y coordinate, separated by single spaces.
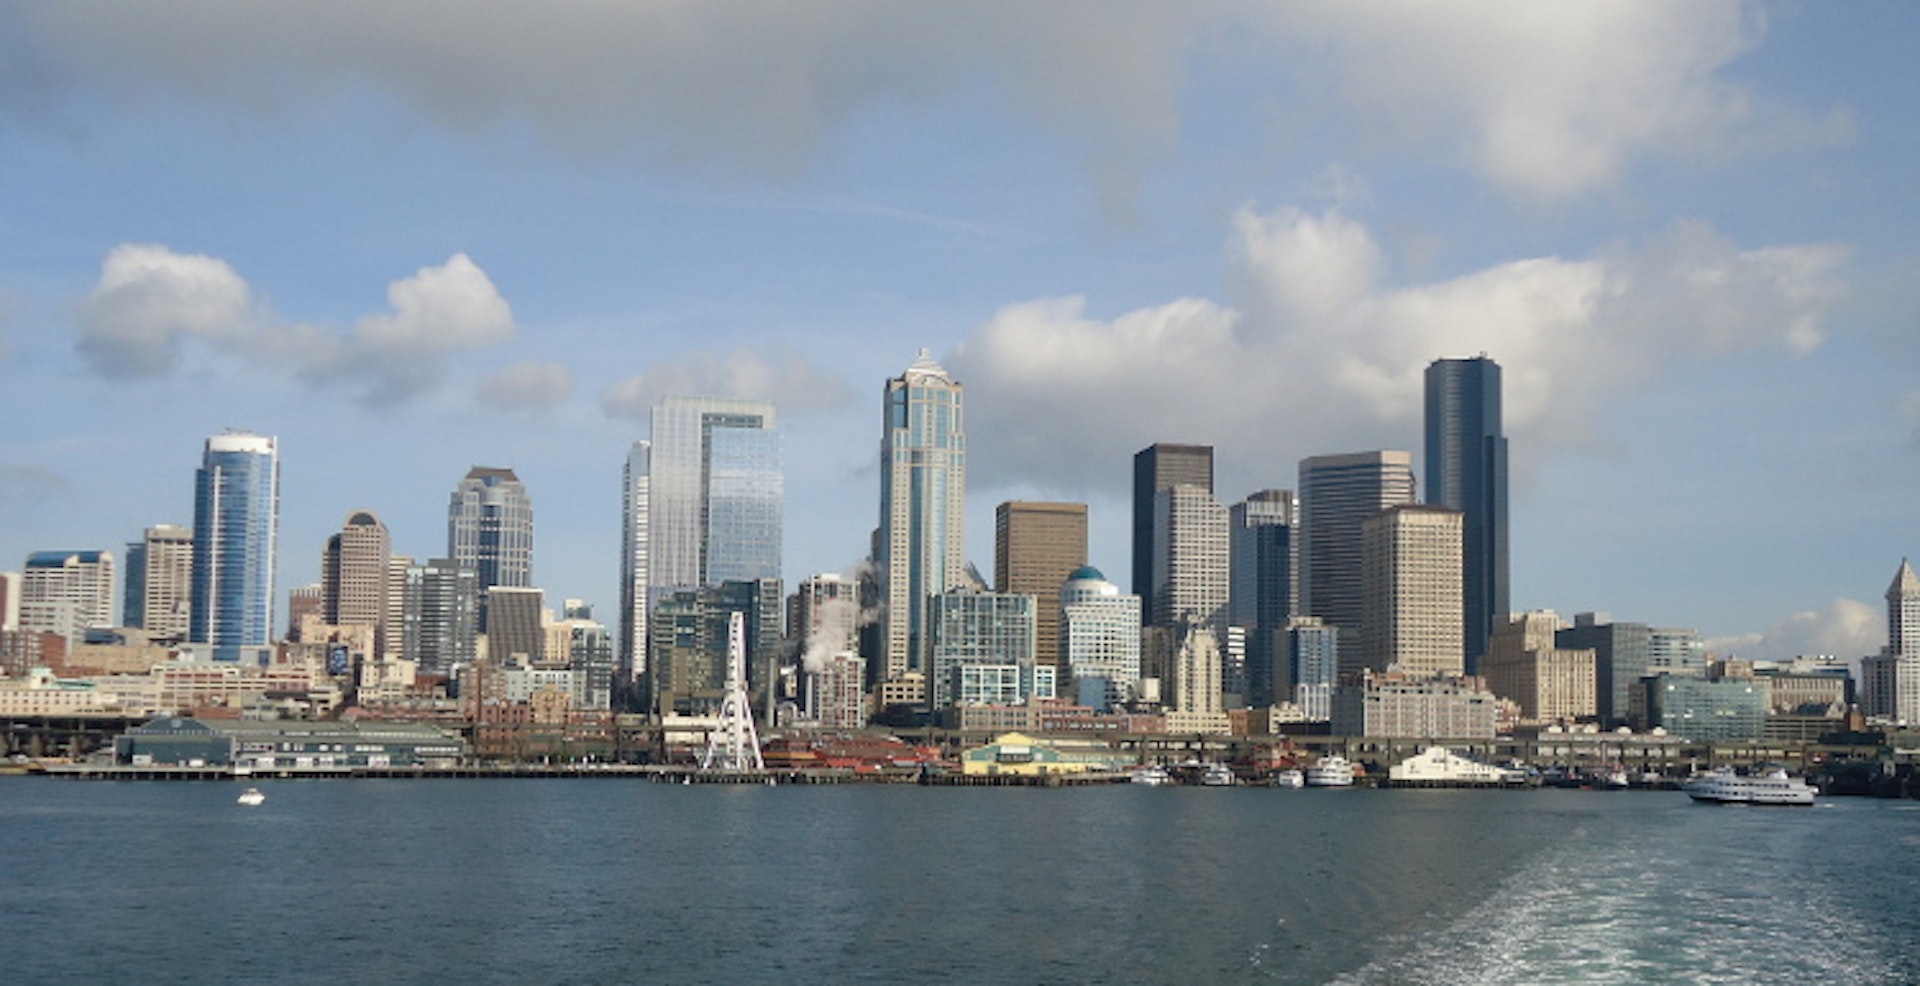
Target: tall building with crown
pixel 355 569
pixel 1890 680
pixel 919 547
pixel 490 530
pixel 236 526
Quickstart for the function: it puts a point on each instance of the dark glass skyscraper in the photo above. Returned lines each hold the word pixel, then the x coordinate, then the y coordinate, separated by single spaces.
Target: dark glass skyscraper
pixel 236 517
pixel 1467 471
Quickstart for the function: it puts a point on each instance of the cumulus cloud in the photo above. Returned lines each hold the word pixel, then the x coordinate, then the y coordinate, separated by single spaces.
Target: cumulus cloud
pixel 152 305
pixel 1317 352
pixel 1846 628
pixel 149 299
pixel 528 385
pixel 1536 98
pixel 770 373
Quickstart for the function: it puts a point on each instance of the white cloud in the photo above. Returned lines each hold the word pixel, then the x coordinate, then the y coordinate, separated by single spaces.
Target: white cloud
pixel 1320 354
pixel 152 302
pixel 528 385
pixel 1846 628
pixel 771 373
pixel 149 299
pixel 1537 98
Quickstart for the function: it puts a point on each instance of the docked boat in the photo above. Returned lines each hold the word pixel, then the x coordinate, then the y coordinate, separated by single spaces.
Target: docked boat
pixel 1332 770
pixel 1292 777
pixel 1217 775
pixel 251 797
pixel 1151 776
pixel 1772 787
pixel 1437 766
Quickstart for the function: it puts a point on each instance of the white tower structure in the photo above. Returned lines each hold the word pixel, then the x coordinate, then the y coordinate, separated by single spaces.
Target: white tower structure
pixel 734 744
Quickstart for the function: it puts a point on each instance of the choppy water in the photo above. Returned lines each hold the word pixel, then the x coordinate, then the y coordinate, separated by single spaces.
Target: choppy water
pixel 604 880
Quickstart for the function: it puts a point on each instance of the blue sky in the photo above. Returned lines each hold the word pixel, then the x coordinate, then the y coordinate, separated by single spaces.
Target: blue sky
pixel 407 239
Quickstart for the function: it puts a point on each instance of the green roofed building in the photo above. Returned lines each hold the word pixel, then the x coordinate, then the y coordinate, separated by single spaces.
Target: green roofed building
pixel 287 744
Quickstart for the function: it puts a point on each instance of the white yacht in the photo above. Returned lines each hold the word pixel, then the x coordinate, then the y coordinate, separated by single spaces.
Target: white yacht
pixel 1152 776
pixel 1439 766
pixel 1292 777
pixel 1772 787
pixel 1217 775
pixel 251 797
pixel 1332 770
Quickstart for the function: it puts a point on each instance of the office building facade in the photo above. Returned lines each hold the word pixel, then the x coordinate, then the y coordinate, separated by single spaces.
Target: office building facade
pixel 354 572
pixel 1100 639
pixel 1036 546
pixel 1410 618
pixel 1155 468
pixel 159 581
pixel 65 593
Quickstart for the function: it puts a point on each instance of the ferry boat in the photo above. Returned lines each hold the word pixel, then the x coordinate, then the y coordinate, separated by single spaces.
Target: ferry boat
pixel 1152 776
pixel 1437 766
pixel 1332 770
pixel 251 797
pixel 1772 787
pixel 1292 777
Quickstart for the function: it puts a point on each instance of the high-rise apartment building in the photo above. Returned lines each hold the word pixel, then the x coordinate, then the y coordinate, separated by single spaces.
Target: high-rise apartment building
pixel 1466 462
pixel 635 566
pixel 490 530
pixel 66 592
pixel 1312 667
pixel 1337 493
pixel 1155 468
pixel 1189 560
pixel 1036 546
pixel 1260 584
pixel 159 581
pixel 1410 616
pixel 354 570
pixel 823 617
pixel 236 526
pixel 919 547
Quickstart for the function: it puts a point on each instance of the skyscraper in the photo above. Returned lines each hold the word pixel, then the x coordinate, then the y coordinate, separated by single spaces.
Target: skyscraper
pixel 1890 680
pixel 1411 606
pixel 1035 547
pixel 714 493
pixel 1155 468
pixel 1337 493
pixel 1467 471
pixel 442 602
pixel 353 577
pixel 919 547
pixel 490 530
pixel 236 523
pixel 159 581
pixel 635 516
pixel 1260 585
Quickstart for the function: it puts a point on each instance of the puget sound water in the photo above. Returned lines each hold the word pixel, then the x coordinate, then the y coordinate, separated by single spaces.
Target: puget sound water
pixel 621 881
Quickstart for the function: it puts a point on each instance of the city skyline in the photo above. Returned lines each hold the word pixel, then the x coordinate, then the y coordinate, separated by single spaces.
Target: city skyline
pixel 1689 250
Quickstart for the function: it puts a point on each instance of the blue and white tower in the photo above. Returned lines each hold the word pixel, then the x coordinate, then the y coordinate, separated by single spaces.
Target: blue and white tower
pixel 236 522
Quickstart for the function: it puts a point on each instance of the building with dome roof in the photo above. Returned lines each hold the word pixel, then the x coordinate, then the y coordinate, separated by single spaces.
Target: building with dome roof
pixel 1100 639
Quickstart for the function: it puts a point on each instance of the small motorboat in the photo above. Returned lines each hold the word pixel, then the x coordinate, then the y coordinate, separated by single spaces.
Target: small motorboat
pixel 251 797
